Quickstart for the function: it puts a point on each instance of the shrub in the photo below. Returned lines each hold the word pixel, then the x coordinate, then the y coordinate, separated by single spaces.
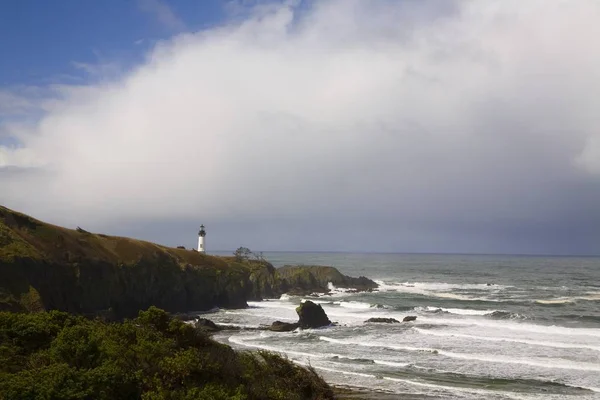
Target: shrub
pixel 54 355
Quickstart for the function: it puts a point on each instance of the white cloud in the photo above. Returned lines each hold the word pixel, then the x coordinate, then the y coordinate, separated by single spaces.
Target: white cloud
pixel 376 109
pixel 163 13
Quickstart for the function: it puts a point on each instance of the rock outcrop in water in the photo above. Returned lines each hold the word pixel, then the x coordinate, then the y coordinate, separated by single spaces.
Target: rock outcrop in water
pixel 303 280
pixel 383 320
pixel 279 326
pixel 206 325
pixel 47 267
pixel 409 318
pixel 311 315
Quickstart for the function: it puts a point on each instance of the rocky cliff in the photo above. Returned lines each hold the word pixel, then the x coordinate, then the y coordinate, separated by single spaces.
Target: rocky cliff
pixel 44 267
pixel 306 279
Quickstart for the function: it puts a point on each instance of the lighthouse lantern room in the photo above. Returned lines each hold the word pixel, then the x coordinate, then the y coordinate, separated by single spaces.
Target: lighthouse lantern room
pixel 201 236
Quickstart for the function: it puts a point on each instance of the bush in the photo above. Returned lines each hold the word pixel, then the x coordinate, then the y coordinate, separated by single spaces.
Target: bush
pixel 55 355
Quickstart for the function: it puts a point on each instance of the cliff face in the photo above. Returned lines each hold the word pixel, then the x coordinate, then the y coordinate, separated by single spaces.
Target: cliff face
pixel 43 267
pixel 46 267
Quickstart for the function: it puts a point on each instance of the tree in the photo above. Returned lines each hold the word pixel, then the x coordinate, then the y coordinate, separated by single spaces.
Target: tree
pixel 242 254
pixel 259 256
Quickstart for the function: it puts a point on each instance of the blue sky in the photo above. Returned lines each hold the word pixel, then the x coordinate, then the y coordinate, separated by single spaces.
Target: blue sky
pixel 49 41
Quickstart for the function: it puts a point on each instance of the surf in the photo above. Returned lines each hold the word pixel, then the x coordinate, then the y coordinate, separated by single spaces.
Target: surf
pixel 559 345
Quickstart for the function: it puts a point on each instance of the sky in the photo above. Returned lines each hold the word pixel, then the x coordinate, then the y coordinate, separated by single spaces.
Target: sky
pixel 335 125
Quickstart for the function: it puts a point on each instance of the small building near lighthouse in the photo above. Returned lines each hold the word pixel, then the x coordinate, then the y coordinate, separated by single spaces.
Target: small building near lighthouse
pixel 201 235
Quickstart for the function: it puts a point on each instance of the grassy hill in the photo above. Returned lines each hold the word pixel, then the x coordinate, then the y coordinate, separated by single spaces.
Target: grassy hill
pixel 44 266
pixel 48 267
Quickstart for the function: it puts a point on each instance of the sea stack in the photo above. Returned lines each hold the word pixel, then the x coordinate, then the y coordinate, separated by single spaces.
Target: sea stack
pixel 311 315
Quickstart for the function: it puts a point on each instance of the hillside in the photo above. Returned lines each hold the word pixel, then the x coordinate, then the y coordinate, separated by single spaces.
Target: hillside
pixel 43 266
pixel 48 267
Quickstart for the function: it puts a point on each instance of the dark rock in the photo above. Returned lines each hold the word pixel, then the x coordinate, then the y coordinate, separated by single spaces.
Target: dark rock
pixel 279 326
pixel 207 325
pixel 185 317
pixel 302 280
pixel 181 247
pixel 311 315
pixel 383 320
pixel 409 318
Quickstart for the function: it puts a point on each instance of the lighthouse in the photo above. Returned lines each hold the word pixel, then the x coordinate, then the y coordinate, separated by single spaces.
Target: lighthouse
pixel 201 235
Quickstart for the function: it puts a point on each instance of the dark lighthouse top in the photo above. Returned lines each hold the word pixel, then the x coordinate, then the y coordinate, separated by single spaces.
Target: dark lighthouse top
pixel 202 231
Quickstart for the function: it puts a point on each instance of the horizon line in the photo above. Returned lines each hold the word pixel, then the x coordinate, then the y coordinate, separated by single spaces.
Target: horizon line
pixel 420 253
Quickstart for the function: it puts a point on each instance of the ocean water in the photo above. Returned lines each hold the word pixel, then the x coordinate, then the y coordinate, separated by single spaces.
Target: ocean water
pixel 488 327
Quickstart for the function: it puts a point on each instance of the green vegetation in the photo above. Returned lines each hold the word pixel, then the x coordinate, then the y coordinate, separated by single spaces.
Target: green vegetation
pixel 46 267
pixel 245 254
pixel 64 355
pixel 55 355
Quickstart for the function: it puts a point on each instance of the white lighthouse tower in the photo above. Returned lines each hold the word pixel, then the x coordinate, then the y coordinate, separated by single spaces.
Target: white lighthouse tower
pixel 201 235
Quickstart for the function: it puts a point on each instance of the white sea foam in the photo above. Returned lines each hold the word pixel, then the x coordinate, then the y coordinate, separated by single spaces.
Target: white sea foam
pixel 514 326
pixel 591 296
pixel 391 363
pixel 317 301
pixel 421 384
pixel 562 364
pixel 250 326
pixel 483 392
pixel 559 345
pixel 553 363
pixel 593 389
pixel 447 291
pixel 440 290
pixel 241 342
pixel 459 311
pixel 439 286
pixel 357 305
pixel 337 291
pixel 561 300
pixel 349 316
pixel 354 304
pixel 373 344
pixel 271 304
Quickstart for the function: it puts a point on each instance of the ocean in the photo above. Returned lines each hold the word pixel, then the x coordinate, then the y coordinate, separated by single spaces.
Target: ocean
pixel 488 327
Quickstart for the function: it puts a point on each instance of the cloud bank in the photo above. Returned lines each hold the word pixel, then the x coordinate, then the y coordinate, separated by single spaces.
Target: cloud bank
pixel 338 125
